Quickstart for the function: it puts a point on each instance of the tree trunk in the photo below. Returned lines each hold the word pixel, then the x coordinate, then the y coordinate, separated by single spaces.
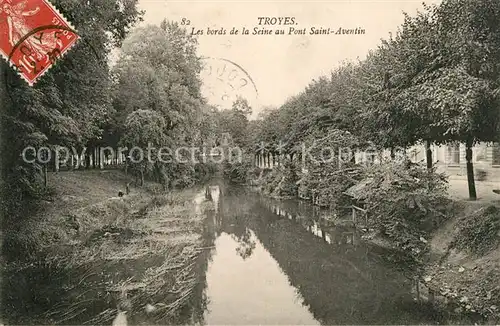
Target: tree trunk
pixel 142 178
pixel 393 154
pixel 428 154
pixel 96 158
pixel 87 160
pixel 470 170
pixel 101 159
pixel 45 176
pixel 56 160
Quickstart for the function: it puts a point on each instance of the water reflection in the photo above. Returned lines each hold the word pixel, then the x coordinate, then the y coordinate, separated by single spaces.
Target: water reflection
pixel 250 291
pixel 312 221
pixel 277 263
pixel 262 262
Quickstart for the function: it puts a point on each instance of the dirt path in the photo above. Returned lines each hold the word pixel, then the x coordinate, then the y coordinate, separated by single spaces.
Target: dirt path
pixel 458 190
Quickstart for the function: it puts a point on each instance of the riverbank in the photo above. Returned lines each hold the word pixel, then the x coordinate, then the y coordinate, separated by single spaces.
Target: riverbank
pixel 464 271
pixel 460 270
pixel 89 251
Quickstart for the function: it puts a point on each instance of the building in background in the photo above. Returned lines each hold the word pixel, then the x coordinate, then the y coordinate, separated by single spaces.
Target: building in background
pixel 450 159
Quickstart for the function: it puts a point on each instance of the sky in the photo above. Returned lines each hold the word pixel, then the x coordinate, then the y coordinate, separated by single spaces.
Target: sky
pixel 279 65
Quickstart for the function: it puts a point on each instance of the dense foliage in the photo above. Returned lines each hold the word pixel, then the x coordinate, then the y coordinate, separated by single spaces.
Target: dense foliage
pixel 162 104
pixel 405 203
pixel 435 81
pixel 69 106
pixel 479 233
pixel 84 103
pixel 282 181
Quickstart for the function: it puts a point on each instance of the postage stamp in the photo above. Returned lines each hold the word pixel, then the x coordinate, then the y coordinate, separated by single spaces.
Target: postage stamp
pixel 33 35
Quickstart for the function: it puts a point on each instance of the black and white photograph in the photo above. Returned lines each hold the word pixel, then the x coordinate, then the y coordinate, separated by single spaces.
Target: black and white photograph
pixel 175 162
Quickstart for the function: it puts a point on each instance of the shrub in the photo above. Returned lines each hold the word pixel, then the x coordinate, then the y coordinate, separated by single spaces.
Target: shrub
pixel 327 184
pixel 405 203
pixel 204 170
pixel 239 172
pixel 330 168
pixel 479 233
pixel 281 182
pixel 182 175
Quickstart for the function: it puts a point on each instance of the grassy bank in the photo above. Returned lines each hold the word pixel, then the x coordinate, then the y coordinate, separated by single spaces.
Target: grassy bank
pixel 464 272
pixel 89 252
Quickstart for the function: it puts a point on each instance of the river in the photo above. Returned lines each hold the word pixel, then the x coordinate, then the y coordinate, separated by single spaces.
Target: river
pixel 274 263
pixel 263 262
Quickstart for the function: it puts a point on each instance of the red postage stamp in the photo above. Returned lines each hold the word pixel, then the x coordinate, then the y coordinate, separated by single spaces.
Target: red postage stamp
pixel 33 35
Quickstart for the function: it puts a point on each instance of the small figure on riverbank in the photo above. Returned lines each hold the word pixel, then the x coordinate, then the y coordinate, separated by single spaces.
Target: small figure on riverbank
pixel 150 308
pixel 123 306
pixel 120 319
pixel 120 193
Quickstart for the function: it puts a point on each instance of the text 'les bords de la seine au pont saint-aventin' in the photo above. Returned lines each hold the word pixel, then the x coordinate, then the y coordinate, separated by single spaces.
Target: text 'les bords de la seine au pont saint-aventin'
pixel 275 26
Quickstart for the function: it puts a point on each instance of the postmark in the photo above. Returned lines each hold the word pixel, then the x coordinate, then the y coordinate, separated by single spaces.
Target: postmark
pixel 224 81
pixel 33 36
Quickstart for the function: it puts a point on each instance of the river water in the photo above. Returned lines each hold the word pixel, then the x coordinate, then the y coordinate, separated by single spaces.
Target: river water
pixel 264 262
pixel 274 263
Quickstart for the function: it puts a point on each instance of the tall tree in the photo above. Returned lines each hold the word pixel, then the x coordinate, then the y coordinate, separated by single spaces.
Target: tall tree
pixel 165 70
pixel 145 128
pixel 158 71
pixel 67 105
